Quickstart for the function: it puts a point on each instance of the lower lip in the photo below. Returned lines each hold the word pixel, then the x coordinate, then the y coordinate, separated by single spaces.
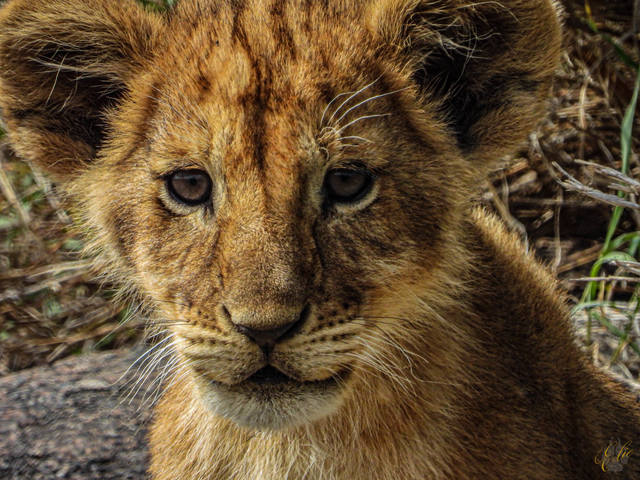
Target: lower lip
pixel 271 400
pixel 269 376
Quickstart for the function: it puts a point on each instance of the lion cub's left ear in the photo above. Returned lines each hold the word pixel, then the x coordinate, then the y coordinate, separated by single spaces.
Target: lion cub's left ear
pixel 63 63
pixel 484 67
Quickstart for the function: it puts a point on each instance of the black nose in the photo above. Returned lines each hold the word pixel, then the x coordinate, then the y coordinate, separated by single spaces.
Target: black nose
pixel 267 338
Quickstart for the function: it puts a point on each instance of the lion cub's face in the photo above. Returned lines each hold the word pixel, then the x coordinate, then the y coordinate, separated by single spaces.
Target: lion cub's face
pixel 273 202
pixel 280 181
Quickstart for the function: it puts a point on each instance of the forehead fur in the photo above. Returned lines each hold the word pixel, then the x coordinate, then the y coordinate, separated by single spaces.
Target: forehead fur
pixel 472 66
pixel 271 66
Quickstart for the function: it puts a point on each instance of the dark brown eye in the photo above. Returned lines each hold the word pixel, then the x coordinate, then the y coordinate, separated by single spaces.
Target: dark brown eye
pixel 346 186
pixel 191 187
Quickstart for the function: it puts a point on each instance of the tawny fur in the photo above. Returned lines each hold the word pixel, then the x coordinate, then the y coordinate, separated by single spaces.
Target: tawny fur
pixel 452 348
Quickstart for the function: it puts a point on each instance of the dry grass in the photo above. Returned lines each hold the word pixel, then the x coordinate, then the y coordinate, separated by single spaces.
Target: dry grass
pixel 50 307
pixel 558 191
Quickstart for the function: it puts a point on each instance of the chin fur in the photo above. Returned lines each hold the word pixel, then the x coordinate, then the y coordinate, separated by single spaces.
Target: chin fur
pixel 271 407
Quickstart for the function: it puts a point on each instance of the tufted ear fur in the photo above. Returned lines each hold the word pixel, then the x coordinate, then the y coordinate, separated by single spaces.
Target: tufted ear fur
pixel 63 63
pixel 482 64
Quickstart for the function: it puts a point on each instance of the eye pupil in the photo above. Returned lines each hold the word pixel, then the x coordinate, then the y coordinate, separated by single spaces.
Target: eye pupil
pixel 191 187
pixel 345 186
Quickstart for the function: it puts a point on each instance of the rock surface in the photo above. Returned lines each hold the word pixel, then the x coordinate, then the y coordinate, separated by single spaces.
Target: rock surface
pixel 73 420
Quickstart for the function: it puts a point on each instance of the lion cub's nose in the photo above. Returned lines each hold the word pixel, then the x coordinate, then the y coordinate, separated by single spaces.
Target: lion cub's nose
pixel 266 337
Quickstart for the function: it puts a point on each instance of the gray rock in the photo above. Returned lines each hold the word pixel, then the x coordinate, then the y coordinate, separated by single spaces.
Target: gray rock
pixel 73 420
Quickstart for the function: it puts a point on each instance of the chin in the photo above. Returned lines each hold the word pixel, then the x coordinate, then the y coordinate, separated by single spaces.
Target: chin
pixel 270 400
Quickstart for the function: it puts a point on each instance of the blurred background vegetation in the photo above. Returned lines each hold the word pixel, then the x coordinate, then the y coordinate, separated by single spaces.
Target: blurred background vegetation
pixel 571 192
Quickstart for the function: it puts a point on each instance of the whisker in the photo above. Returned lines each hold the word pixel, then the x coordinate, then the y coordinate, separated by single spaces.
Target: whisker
pixel 169 323
pixel 353 95
pixel 151 336
pixel 355 137
pixel 152 392
pixel 177 366
pixel 160 356
pixel 131 314
pixel 146 353
pixel 172 302
pixel 382 371
pixel 389 342
pixel 359 119
pixel 399 319
pixel 330 103
pixel 370 99
pixel 182 372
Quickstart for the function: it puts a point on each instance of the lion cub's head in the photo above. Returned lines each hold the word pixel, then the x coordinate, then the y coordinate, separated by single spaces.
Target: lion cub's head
pixel 282 181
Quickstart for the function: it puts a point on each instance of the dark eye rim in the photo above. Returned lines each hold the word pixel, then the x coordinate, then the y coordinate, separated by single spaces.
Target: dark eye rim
pixel 363 192
pixel 175 196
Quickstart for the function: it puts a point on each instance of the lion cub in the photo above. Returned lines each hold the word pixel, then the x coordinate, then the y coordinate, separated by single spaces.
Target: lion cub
pixel 286 184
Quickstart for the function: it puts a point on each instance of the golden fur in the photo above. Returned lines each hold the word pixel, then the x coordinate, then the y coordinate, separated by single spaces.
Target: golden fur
pixel 429 345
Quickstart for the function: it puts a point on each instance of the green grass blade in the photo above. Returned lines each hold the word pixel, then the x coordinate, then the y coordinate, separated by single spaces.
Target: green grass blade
pixel 631 238
pixel 625 139
pixel 627 126
pixel 617 332
pixel 615 256
pixel 610 245
pixel 634 244
pixel 611 230
pixel 624 56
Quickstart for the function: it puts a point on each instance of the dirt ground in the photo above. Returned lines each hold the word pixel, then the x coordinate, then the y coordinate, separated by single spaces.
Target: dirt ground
pixel 73 421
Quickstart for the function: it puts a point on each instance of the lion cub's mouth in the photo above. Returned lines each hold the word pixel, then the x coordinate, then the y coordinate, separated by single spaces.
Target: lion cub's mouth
pixel 269 376
pixel 270 399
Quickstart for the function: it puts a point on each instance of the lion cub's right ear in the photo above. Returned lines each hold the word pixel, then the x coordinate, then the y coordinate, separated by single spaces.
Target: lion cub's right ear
pixel 63 63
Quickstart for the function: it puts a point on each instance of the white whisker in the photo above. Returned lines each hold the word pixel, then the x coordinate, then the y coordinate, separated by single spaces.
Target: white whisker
pixel 159 356
pixel 146 353
pixel 359 119
pixel 355 137
pixel 330 103
pixel 173 367
pixel 353 95
pixel 370 99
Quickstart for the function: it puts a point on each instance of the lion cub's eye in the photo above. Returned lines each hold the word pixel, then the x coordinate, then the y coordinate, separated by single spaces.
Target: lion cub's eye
pixel 191 187
pixel 346 186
